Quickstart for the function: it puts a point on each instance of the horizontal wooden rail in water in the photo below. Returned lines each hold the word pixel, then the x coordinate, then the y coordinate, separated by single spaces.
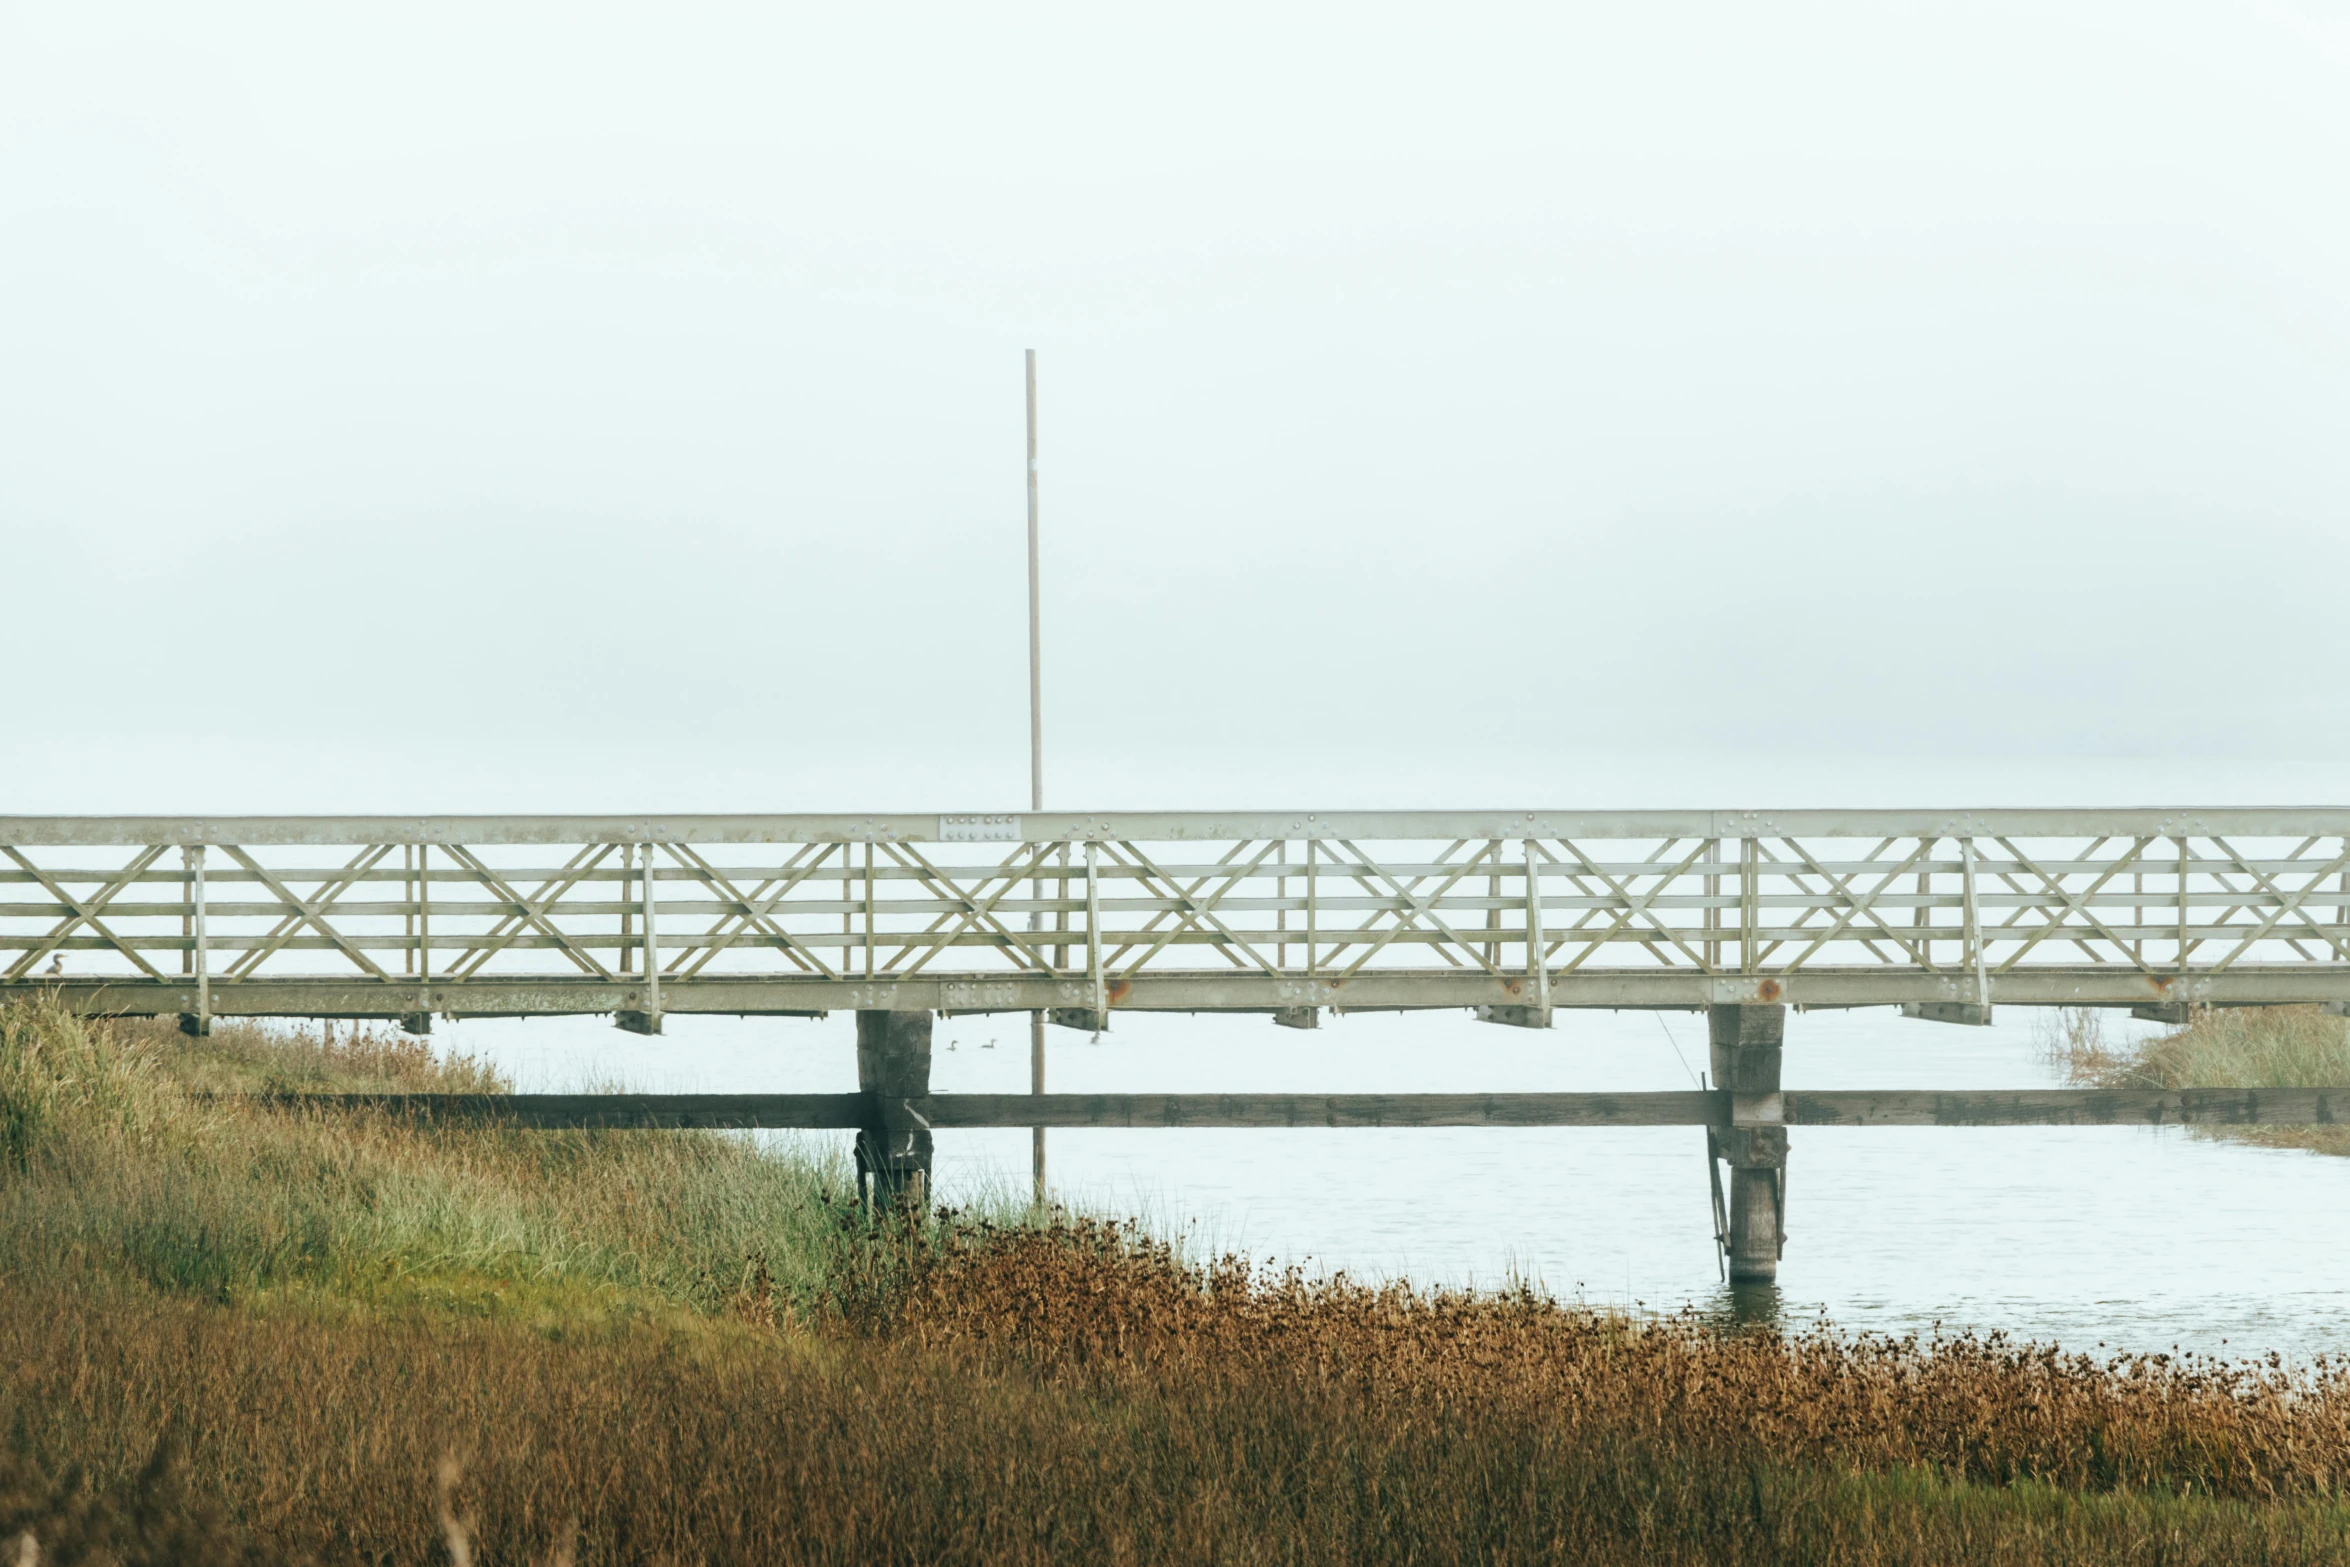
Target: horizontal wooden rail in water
pixel 1816 1107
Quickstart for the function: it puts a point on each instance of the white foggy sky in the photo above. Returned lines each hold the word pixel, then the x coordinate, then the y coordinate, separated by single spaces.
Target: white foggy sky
pixel 535 409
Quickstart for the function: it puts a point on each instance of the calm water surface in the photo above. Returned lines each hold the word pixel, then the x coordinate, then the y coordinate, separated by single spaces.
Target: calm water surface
pixel 2122 1236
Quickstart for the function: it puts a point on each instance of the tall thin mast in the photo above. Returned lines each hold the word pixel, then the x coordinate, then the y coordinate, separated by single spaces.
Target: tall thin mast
pixel 1035 617
pixel 1035 769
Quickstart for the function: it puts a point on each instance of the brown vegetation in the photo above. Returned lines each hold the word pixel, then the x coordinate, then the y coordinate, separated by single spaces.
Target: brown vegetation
pixel 1071 1396
pixel 804 1388
pixel 1099 1305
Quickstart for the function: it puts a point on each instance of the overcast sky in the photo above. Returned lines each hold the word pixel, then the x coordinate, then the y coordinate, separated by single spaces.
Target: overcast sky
pixel 503 408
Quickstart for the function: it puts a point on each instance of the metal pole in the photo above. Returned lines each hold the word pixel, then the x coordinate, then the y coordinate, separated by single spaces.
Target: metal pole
pixel 193 856
pixel 408 919
pixel 1493 908
pixel 652 942
pixel 1537 943
pixel 1093 939
pixel 1713 920
pixel 1974 926
pixel 424 926
pixel 627 914
pixel 1035 767
pixel 2184 948
pixel 1749 905
pixel 1281 905
pixel 1313 902
pixel 1035 617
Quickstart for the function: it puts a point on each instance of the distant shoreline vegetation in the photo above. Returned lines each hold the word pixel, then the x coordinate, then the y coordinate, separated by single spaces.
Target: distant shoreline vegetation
pixel 244 1333
pixel 2230 1047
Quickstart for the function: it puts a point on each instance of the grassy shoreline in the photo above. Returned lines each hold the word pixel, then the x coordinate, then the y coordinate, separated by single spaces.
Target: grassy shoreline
pixel 2234 1047
pixel 645 1347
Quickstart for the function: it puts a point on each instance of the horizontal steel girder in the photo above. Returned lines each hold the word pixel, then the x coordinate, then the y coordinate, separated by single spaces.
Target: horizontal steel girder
pixel 1840 1107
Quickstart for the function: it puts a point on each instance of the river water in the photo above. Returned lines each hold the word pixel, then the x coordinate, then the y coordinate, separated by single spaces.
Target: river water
pixel 2123 1237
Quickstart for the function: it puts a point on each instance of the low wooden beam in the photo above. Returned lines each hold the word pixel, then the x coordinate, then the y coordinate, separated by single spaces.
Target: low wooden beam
pixel 619 1112
pixel 1684 1108
pixel 1833 1107
pixel 2072 1107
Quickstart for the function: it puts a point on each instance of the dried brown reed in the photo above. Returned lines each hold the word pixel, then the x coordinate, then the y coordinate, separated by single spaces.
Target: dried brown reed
pixel 1107 1305
pixel 1075 1399
pixel 152 1514
pixel 951 1390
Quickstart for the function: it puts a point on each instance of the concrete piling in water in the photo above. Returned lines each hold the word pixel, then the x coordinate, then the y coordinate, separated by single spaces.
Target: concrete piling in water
pixel 894 1145
pixel 1746 1042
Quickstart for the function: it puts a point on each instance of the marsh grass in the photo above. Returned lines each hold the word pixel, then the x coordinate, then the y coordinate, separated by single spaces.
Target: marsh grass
pixel 132 1164
pixel 739 1446
pixel 245 1057
pixel 241 1332
pixel 2232 1047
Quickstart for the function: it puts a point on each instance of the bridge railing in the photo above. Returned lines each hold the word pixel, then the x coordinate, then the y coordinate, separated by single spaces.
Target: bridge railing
pixel 1088 913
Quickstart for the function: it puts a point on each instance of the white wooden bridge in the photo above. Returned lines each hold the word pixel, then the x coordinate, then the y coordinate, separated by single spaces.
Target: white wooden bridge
pixel 1516 914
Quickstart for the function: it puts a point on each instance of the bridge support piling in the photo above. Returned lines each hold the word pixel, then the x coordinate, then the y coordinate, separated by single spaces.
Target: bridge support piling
pixel 1746 1042
pixel 894 1145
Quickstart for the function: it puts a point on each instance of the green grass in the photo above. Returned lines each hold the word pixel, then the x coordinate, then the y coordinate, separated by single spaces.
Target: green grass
pixel 2232 1047
pixel 144 1173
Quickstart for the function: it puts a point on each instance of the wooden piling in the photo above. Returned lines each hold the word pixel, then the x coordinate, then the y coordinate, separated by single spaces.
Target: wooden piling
pixel 893 1073
pixel 1746 1042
